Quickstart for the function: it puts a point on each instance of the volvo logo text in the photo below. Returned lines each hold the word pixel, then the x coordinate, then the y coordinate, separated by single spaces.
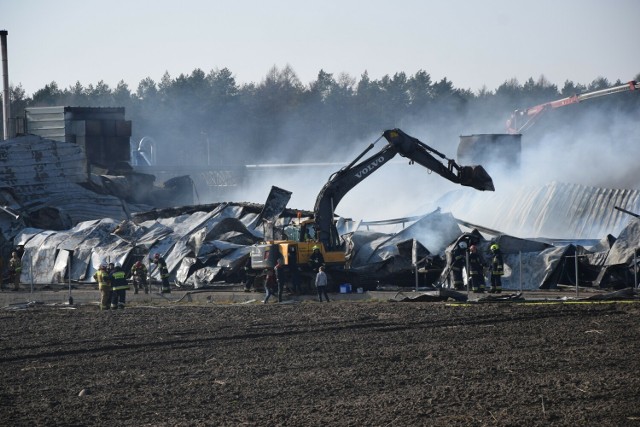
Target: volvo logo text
pixel 370 167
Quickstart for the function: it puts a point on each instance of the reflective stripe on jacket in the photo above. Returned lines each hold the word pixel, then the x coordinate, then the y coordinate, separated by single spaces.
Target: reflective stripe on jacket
pixel 119 280
pixel 497 266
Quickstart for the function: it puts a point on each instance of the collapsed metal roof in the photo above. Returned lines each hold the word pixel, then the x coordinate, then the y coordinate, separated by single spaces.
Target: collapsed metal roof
pixel 46 181
pixel 552 210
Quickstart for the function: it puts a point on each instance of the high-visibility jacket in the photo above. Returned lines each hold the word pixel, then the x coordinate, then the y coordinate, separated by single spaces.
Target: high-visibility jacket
pixel 497 266
pixel 475 264
pixel 119 279
pixel 103 278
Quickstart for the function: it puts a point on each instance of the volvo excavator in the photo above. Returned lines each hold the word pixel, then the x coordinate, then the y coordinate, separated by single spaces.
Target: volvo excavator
pixel 321 231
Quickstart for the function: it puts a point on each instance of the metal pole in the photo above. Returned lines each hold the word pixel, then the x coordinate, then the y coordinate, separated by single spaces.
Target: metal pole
pixel 520 255
pixel 467 270
pixel 635 268
pixel 414 260
pixel 6 100
pixel 577 291
pixel 30 273
pixel 69 272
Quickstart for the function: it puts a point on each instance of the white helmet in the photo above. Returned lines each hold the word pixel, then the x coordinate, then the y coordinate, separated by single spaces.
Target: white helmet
pixel 118 265
pixel 462 245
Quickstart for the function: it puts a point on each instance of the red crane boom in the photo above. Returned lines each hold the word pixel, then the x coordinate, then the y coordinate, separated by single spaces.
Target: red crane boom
pixel 530 115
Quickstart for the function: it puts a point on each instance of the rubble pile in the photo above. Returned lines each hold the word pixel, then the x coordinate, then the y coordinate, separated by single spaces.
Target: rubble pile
pixel 67 229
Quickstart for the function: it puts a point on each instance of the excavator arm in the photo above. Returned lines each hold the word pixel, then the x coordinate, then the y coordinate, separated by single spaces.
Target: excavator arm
pixel 342 181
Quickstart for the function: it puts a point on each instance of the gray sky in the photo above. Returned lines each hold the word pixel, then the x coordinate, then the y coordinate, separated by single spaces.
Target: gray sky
pixel 472 43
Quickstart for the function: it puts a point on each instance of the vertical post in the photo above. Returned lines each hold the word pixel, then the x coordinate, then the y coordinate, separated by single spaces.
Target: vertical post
pixel 635 268
pixel 414 260
pixel 520 278
pixel 6 100
pixel 69 273
pixel 577 291
pixel 30 273
pixel 467 269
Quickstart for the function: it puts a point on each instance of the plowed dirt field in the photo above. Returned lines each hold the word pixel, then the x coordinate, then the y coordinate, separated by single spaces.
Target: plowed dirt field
pixel 309 364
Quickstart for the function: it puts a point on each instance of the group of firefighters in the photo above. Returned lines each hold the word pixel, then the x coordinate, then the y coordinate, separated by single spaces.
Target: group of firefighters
pixel 468 258
pixel 113 283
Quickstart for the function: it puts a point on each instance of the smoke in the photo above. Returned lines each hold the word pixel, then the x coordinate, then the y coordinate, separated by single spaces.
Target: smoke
pixel 591 144
pixel 571 176
pixel 598 150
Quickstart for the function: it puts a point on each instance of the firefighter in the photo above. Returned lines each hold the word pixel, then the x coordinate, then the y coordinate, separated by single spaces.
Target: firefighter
pixel 139 277
pixel 458 261
pixel 164 273
pixel 316 259
pixel 119 287
pixel 497 269
pixel 476 267
pixel 280 277
pixel 15 269
pixel 104 284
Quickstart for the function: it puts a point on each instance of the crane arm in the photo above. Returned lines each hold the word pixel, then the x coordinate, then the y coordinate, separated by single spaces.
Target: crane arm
pixel 530 115
pixel 341 182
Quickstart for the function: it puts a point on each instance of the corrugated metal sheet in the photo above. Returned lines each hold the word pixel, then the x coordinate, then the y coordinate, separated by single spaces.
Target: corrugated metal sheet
pixel 47 173
pixel 555 210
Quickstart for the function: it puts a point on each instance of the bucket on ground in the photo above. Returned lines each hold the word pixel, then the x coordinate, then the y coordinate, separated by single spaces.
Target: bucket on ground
pixel 345 288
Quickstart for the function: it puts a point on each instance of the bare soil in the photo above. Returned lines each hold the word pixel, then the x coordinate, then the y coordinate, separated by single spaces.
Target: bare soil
pixel 307 364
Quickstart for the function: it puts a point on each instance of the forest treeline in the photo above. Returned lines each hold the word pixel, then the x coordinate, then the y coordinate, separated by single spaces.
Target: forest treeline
pixel 209 118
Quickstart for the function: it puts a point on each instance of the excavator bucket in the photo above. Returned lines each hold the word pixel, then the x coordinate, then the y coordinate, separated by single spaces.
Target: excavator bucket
pixel 476 177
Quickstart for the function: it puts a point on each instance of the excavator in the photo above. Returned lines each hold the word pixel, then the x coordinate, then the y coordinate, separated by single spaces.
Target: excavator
pixel 321 231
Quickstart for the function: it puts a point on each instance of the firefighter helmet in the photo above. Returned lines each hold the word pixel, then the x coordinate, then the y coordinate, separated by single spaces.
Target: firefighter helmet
pixel 462 245
pixel 316 248
pixel 494 247
pixel 103 266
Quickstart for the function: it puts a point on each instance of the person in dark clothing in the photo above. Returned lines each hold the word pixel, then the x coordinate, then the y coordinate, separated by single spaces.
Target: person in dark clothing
pixel 316 259
pixel 476 267
pixel 457 264
pixel 245 277
pixel 497 269
pixel 270 284
pixel 164 273
pixel 139 277
pixel 119 287
pixel 280 277
pixel 294 271
pixel 15 270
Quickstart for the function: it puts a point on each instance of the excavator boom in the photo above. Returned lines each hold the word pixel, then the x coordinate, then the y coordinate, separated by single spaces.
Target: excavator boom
pixel 407 146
